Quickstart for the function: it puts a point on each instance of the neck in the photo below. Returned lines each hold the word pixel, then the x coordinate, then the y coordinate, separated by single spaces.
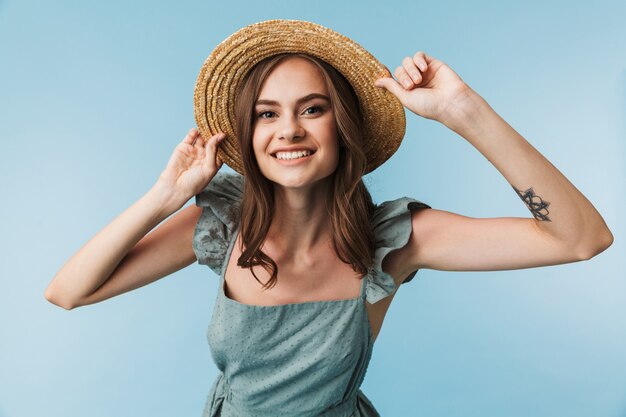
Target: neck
pixel 300 222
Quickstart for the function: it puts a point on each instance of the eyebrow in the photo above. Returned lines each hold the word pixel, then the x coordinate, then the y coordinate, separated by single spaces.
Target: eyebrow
pixel 300 100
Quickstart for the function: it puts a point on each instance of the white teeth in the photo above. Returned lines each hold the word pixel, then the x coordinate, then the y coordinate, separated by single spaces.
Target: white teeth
pixel 292 155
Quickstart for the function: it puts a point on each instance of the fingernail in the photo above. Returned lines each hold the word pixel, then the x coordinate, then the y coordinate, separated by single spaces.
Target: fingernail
pixel 406 83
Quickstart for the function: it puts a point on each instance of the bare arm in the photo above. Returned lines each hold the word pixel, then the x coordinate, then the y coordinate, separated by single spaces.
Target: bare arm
pixel 559 209
pixel 565 226
pixel 161 253
pixel 119 258
pixel 96 261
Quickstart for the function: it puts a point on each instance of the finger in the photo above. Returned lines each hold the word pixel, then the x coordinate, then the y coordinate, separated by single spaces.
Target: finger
pixel 200 140
pixel 409 66
pixel 391 85
pixel 215 159
pixel 403 77
pixel 191 136
pixel 202 143
pixel 212 144
pixel 421 60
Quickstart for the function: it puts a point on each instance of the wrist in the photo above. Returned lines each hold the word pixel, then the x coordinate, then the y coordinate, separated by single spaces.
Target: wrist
pixel 462 113
pixel 166 198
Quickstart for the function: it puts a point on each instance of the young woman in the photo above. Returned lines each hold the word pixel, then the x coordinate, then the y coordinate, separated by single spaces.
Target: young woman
pixel 308 264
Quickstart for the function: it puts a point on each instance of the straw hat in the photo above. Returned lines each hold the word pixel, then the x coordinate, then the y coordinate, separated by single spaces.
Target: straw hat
pixel 223 71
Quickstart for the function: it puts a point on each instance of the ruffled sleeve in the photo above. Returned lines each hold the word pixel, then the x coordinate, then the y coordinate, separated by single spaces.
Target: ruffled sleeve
pixel 392 230
pixel 220 201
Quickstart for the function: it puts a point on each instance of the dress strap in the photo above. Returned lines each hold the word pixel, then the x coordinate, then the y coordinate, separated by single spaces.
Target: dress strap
pixel 363 293
pixel 229 251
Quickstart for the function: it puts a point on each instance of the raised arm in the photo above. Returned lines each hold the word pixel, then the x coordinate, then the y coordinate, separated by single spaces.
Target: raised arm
pixel 120 257
pixel 559 209
pixel 565 226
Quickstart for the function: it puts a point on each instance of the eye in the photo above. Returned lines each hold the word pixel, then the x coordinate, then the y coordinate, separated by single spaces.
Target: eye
pixel 260 115
pixel 314 107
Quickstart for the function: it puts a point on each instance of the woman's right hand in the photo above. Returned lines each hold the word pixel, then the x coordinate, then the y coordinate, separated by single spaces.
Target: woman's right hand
pixel 192 166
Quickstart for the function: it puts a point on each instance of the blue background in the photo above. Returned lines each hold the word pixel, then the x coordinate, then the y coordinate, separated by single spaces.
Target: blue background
pixel 94 96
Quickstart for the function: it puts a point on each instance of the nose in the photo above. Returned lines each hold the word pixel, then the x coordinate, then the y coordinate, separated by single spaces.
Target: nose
pixel 291 128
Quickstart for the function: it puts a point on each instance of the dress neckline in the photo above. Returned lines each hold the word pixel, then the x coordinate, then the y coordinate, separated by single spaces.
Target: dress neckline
pixel 223 295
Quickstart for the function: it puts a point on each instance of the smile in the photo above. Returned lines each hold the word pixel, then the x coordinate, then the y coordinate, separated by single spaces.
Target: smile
pixel 292 158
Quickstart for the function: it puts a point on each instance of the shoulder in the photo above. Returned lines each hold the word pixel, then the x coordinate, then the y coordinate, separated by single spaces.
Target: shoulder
pixel 223 186
pixel 392 224
pixel 221 197
pixel 220 202
pixel 393 220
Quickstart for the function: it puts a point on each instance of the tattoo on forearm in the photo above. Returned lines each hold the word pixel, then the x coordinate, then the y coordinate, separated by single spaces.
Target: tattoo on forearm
pixel 535 204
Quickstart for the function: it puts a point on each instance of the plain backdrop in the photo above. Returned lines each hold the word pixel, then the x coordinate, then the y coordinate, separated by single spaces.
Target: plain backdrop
pixel 94 97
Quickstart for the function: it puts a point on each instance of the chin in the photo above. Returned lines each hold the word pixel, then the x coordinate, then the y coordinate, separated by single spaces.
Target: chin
pixel 298 180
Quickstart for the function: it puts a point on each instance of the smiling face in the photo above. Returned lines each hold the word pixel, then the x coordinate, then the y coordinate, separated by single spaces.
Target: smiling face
pixel 294 135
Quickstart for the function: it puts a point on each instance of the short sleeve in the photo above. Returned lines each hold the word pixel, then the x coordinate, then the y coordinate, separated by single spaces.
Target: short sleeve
pixel 220 201
pixel 392 230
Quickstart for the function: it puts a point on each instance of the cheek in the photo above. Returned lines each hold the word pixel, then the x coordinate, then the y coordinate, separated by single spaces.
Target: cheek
pixel 258 150
pixel 333 156
pixel 257 147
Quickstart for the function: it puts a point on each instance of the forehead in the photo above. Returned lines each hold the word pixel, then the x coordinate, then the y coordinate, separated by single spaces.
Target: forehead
pixel 291 77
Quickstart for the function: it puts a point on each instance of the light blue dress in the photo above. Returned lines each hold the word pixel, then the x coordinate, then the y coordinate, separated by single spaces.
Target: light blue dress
pixel 299 359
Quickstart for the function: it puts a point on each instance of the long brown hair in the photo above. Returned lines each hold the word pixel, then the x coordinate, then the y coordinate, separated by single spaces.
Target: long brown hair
pixel 349 203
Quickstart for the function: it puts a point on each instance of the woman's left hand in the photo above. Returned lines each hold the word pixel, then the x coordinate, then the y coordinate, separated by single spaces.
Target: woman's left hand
pixel 435 91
